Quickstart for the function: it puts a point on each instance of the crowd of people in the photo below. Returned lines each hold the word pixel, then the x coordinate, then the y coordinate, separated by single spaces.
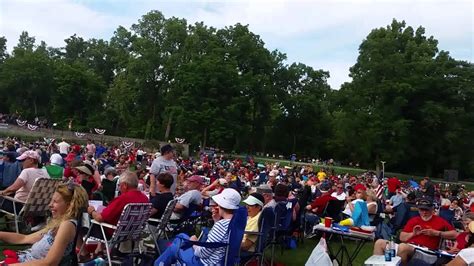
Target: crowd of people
pixel 417 213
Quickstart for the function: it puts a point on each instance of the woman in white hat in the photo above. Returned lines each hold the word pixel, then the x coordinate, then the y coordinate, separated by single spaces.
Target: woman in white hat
pixel 227 202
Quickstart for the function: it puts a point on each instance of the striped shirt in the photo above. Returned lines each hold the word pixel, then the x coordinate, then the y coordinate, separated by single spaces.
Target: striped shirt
pixel 219 233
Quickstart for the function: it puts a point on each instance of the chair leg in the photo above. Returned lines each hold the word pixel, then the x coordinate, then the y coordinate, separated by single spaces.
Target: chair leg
pixel 85 239
pixel 16 218
pixel 107 246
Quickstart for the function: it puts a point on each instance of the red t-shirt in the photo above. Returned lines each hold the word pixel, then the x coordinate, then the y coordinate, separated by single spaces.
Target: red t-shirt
pixel 111 214
pixel 461 240
pixel 321 202
pixel 436 223
pixel 393 183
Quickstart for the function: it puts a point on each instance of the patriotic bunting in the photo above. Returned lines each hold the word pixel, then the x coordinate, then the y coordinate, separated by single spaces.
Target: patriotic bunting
pixel 127 144
pixel 21 123
pixel 32 127
pixel 180 141
pixel 79 135
pixel 99 131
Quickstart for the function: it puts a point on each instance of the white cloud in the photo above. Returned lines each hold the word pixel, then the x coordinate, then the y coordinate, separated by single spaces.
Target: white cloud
pixel 53 21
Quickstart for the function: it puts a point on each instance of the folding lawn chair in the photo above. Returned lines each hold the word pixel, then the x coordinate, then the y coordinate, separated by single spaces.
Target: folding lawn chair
pixel 266 222
pixel 130 226
pixel 236 233
pixel 157 227
pixel 37 203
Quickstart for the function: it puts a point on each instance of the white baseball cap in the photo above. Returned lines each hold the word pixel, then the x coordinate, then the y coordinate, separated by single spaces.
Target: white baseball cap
pixel 251 200
pixel 229 198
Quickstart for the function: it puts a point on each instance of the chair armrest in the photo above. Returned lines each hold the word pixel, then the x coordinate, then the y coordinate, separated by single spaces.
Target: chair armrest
pixel 12 199
pixel 154 220
pixel 104 224
pixel 253 233
pixel 186 243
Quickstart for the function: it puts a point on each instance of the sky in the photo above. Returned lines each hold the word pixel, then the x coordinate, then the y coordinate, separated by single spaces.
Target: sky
pixel 324 34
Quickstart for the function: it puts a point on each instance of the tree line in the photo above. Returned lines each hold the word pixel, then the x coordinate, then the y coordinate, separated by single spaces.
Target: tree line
pixel 408 103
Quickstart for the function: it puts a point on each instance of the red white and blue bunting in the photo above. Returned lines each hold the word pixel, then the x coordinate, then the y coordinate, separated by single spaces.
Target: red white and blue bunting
pixel 21 123
pixel 127 144
pixel 32 127
pixel 79 135
pixel 180 141
pixel 99 131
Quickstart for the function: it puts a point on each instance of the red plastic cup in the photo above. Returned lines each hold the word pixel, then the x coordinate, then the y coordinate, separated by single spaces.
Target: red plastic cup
pixel 327 222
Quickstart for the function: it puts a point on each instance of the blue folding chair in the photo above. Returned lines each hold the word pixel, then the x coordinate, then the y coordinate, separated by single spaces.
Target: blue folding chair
pixel 266 222
pixel 447 215
pixel 281 230
pixel 187 222
pixel 236 233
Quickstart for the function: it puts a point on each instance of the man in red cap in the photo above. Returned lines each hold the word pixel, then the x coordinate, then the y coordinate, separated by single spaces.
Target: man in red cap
pixel 192 186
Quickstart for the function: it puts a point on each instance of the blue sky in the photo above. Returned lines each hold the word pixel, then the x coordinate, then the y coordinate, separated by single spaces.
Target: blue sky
pixel 324 34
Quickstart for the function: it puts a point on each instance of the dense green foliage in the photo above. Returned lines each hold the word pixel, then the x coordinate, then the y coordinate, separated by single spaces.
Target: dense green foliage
pixel 408 103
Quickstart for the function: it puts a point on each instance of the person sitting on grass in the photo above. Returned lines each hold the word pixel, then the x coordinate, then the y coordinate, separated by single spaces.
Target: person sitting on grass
pixel 56 240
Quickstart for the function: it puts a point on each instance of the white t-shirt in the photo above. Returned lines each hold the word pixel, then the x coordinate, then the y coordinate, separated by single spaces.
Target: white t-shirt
pixel 342 196
pixel 29 176
pixel 63 147
pixel 467 255
pixel 161 165
pixel 188 198
pixel 347 210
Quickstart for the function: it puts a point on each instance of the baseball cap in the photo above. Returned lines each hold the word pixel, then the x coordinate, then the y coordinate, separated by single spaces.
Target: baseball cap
pixel 229 199
pixel 264 188
pixel 325 187
pixel 254 199
pixel 196 178
pixel 359 186
pixel 56 159
pixel 425 204
pixel 29 154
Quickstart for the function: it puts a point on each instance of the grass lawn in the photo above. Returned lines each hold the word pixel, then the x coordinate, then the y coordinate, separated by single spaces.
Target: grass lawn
pixel 300 255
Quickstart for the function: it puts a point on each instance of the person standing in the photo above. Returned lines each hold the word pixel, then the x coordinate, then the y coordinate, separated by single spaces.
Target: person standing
pixel 63 148
pixel 163 164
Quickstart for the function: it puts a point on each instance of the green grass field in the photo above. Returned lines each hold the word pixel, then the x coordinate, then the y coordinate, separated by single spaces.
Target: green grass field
pixel 300 255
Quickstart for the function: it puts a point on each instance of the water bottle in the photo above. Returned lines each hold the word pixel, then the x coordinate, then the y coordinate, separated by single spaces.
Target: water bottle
pixel 392 247
pixel 388 253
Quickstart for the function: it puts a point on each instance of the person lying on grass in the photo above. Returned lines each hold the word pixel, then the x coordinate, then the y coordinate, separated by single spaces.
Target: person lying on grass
pixel 56 241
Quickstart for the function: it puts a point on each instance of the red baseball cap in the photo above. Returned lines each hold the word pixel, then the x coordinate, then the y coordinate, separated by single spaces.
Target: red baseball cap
pixel 359 186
